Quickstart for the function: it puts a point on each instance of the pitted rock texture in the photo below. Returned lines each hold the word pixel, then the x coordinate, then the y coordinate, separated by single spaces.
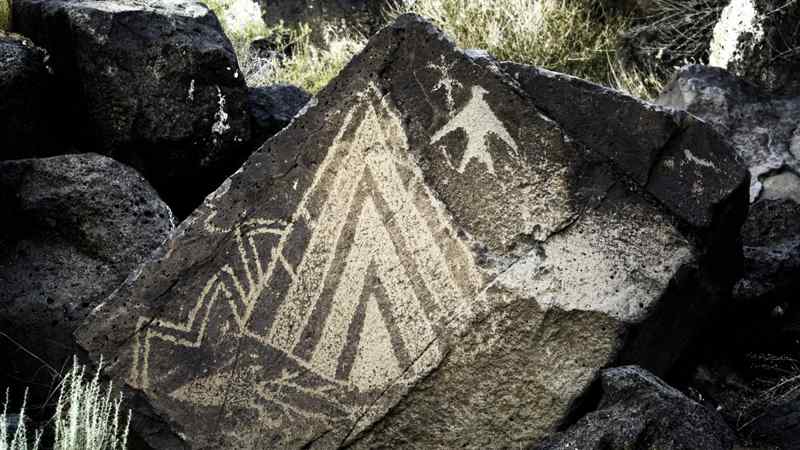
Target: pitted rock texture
pixel 422 259
pixel 25 84
pixel 81 224
pixel 758 40
pixel 154 84
pixel 639 411
pixel 273 107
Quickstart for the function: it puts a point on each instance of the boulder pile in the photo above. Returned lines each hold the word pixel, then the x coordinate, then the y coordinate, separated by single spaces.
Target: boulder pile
pixel 438 250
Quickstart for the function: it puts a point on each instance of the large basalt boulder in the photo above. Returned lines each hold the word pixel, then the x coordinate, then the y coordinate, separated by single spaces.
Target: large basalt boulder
pixel 273 107
pixel 422 259
pixel 25 83
pixel 639 411
pixel 153 84
pixel 75 226
pixel 758 40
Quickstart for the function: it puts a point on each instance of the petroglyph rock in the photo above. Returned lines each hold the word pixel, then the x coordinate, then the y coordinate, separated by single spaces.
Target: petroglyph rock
pixel 76 226
pixel 154 84
pixel 672 155
pixel 420 260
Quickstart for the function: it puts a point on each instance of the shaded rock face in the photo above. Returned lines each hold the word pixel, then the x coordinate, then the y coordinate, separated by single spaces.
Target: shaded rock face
pixel 323 16
pixel 155 85
pixel 765 313
pixel 81 224
pixel 765 133
pixel 758 40
pixel 669 153
pixel 780 426
pixel 763 129
pixel 273 107
pixel 25 82
pixel 639 411
pixel 421 259
pixel 771 237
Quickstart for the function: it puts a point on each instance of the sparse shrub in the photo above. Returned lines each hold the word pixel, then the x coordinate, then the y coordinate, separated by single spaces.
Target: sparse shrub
pixel 674 33
pixel 642 83
pixel 87 417
pixel 570 36
pixel 5 14
pixel 563 35
pixel 307 66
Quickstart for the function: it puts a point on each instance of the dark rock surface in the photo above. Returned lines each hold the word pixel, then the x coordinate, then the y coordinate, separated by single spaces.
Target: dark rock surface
pixel 762 128
pixel 765 133
pixel 662 150
pixel 779 425
pixel 420 260
pixel 771 239
pixel 74 228
pixel 153 84
pixel 25 83
pixel 273 107
pixel 764 313
pixel 639 411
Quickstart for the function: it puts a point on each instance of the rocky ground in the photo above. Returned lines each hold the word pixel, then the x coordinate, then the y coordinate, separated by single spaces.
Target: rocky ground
pixel 438 250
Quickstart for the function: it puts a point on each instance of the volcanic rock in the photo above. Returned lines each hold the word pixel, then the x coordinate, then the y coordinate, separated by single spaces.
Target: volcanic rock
pixel 273 107
pixel 76 226
pixel 764 131
pixel 762 128
pixel 422 259
pixel 640 411
pixel 153 84
pixel 25 83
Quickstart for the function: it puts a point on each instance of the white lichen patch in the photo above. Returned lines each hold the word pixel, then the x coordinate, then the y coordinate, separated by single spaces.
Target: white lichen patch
pixel 738 19
pixel 191 90
pixel 220 125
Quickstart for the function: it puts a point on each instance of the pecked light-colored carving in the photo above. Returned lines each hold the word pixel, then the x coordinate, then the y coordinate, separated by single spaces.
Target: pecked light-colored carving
pixel 406 265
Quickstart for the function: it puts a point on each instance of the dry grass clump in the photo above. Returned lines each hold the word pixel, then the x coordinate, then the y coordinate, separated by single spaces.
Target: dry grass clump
pixel 568 36
pixel 5 15
pixel 676 32
pixel 87 417
pixel 684 27
pixel 778 383
pixel 305 65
